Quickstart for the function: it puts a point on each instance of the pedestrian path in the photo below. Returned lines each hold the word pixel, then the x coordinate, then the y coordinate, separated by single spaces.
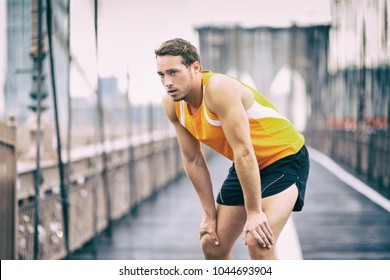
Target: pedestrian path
pixel 337 222
pixel 166 226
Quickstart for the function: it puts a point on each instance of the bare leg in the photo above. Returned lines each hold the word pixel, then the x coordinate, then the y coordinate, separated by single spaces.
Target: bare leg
pixel 230 222
pixel 278 209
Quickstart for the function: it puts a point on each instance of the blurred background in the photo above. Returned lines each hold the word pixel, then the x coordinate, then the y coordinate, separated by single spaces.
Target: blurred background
pixel 82 73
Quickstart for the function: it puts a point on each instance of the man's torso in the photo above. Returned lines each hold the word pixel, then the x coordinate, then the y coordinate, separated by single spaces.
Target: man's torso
pixel 272 135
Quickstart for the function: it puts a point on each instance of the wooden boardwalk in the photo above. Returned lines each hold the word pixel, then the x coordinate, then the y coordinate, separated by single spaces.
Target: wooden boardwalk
pixel 339 223
pixel 336 223
pixel 165 227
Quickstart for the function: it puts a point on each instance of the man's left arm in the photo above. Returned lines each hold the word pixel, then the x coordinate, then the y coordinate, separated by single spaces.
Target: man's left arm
pixel 224 98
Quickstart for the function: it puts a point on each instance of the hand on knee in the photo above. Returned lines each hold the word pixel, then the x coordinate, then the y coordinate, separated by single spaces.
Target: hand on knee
pixel 257 251
pixel 208 246
pixel 212 251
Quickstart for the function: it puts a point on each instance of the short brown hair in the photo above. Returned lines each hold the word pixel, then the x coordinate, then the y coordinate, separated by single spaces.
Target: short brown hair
pixel 179 47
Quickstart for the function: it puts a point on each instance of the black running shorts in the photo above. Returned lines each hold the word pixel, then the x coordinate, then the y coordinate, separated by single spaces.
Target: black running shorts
pixel 275 178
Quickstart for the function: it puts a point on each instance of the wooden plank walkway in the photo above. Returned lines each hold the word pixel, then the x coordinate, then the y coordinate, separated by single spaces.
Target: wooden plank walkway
pixel 337 223
pixel 166 227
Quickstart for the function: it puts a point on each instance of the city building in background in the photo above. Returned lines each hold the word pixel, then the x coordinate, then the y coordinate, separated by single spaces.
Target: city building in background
pixel 22 43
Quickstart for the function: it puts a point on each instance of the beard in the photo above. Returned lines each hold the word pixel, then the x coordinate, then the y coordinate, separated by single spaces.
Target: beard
pixel 186 91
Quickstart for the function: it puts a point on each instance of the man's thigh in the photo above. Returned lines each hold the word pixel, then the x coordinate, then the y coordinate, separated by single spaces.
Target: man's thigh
pixel 278 208
pixel 230 222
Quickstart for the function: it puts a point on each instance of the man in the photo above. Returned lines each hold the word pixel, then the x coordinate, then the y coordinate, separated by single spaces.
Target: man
pixel 270 162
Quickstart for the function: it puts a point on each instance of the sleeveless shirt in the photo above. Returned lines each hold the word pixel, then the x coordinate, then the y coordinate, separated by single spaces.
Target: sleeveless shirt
pixel 273 136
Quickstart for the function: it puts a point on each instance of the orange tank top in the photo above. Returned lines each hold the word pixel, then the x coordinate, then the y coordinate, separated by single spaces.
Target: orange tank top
pixel 273 136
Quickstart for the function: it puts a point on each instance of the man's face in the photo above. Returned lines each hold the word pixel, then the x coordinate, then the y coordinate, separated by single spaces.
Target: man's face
pixel 177 79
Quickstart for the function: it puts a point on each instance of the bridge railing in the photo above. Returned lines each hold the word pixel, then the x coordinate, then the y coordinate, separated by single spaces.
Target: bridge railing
pixel 137 167
pixel 8 207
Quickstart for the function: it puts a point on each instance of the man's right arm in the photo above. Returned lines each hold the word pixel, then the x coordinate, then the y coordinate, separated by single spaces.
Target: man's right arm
pixel 195 166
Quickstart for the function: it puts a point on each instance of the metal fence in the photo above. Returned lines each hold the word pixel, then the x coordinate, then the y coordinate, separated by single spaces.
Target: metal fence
pixel 350 91
pixel 8 207
pixel 137 168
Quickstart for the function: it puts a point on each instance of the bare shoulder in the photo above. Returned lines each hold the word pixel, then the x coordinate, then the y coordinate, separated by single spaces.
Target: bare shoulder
pixel 169 108
pixel 223 90
pixel 220 81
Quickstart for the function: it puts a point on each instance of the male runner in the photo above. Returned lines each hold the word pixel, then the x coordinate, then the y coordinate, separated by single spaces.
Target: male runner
pixel 268 177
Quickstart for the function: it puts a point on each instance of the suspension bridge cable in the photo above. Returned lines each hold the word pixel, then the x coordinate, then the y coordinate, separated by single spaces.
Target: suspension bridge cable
pixel 64 191
pixel 38 65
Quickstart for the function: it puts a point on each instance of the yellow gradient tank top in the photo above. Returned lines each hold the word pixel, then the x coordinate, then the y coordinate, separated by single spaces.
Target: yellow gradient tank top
pixel 273 136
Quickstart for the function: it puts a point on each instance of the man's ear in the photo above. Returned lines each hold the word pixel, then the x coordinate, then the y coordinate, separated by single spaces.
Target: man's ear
pixel 196 66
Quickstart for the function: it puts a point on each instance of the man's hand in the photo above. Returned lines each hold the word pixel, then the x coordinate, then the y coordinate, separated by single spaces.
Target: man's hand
pixel 257 225
pixel 209 226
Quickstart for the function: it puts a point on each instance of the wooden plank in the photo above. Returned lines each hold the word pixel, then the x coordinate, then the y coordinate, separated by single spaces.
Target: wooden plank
pixel 339 223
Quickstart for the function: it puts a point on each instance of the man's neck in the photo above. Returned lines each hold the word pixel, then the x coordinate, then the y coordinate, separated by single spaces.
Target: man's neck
pixel 195 99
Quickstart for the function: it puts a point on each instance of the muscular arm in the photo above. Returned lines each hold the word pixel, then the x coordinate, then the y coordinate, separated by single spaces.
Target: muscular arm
pixel 227 99
pixel 196 169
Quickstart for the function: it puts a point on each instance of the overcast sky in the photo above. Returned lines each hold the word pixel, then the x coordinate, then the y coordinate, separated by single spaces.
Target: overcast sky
pixel 130 30
pixel 2 52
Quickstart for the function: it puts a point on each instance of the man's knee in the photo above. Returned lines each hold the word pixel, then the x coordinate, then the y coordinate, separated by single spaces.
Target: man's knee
pixel 257 251
pixel 212 251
